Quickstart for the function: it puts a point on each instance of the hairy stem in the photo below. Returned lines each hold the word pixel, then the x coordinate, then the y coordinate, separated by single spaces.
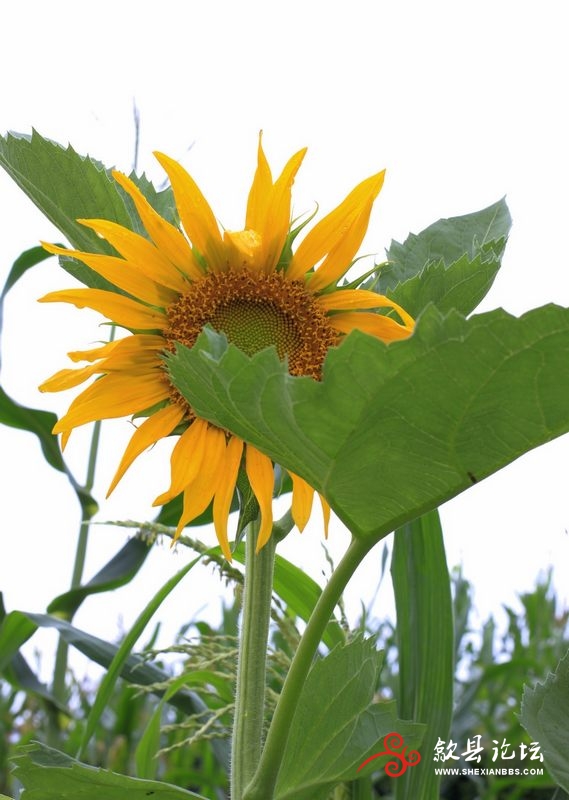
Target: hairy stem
pixel 251 667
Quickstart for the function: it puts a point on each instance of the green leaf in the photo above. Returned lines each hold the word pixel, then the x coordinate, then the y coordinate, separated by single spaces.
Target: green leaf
pixel 35 420
pixel 65 186
pixel 545 716
pixel 26 260
pixel 41 424
pixel 117 572
pixel 15 629
pixel 461 285
pixel 337 725
pixel 395 430
pixel 17 671
pixel 448 240
pixel 425 636
pixel 47 774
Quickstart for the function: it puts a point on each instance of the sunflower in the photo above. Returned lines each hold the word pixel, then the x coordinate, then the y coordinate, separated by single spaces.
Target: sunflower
pixel 249 285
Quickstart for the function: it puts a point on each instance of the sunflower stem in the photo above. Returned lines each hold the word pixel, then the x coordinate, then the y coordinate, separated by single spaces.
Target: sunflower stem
pixel 251 666
pixel 263 783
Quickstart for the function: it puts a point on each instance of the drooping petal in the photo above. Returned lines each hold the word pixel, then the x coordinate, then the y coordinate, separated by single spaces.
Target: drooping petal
pixel 325 514
pixel 112 396
pixel 225 491
pixel 95 353
pixel 169 240
pixel 260 473
pixel 121 274
pixel 335 227
pixel 140 252
pixel 347 299
pixel 385 328
pixel 302 497
pixel 68 378
pixel 260 193
pixel 135 344
pixel 121 310
pixel 199 494
pixel 196 215
pixel 186 459
pixel 154 428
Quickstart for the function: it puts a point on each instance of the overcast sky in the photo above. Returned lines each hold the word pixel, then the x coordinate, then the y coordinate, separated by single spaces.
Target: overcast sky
pixel 462 102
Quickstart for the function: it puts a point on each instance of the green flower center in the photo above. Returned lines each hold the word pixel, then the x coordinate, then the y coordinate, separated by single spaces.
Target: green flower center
pixel 253 326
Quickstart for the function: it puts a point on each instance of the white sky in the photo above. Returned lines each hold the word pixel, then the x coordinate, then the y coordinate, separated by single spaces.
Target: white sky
pixel 463 102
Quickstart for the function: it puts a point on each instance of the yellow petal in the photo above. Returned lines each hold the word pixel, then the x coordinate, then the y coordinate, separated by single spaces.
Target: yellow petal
pixel 169 240
pixel 335 227
pixel 325 514
pixel 95 353
pixel 132 354
pixel 196 215
pixel 186 460
pixel 137 343
pixel 260 473
pixel 140 252
pixel 385 328
pixel 198 495
pixel 112 396
pixel 156 427
pixel 361 298
pixel 121 274
pixel 277 222
pixel 68 378
pixel 244 249
pixel 340 258
pixel 225 491
pixel 121 310
pixel 302 497
pixel 259 195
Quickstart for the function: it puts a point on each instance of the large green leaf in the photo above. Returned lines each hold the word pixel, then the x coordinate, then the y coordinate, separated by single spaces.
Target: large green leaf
pixel 394 430
pixel 47 774
pixel 425 637
pixel 337 726
pixel 545 715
